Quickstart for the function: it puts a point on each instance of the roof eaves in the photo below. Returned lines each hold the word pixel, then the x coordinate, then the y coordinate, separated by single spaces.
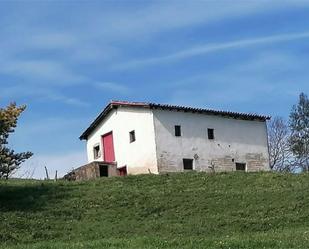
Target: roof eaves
pixel 98 119
pixel 237 115
pixel 115 104
pixel 112 105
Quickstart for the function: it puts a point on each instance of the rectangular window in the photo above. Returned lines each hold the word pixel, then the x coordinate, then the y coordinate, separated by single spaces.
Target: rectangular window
pixel 132 136
pixel 96 151
pixel 240 166
pixel 211 133
pixel 187 164
pixel 177 130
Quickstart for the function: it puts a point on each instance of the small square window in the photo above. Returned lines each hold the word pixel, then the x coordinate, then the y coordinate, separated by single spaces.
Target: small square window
pixel 240 166
pixel 96 151
pixel 211 133
pixel 187 164
pixel 132 136
pixel 177 130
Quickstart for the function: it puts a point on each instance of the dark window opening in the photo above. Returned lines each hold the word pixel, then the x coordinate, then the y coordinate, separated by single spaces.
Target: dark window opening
pixel 96 151
pixel 177 130
pixel 132 136
pixel 241 166
pixel 103 171
pixel 187 164
pixel 211 133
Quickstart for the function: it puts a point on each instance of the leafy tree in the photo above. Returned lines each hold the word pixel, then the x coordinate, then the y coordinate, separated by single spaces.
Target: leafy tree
pixel 9 160
pixel 299 124
pixel 281 156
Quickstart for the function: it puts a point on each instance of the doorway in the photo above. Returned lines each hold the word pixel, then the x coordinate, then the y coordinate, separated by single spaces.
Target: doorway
pixel 122 171
pixel 240 167
pixel 108 147
pixel 187 164
pixel 103 171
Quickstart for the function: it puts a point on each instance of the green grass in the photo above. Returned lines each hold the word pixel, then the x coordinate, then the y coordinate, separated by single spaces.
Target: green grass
pixel 191 210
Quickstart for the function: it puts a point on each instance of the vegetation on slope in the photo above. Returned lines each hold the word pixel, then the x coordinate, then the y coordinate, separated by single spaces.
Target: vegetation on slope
pixel 186 210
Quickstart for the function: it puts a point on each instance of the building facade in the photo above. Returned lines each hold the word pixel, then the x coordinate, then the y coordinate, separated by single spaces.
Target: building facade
pixel 139 138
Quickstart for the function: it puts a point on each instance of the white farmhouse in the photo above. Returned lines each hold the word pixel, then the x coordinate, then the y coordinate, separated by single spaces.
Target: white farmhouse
pixel 139 138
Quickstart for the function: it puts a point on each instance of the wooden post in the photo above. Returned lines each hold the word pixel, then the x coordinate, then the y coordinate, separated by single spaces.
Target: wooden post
pixel 46 171
pixel 56 175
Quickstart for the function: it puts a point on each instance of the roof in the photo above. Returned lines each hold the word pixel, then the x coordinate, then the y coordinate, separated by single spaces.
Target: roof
pixel 115 104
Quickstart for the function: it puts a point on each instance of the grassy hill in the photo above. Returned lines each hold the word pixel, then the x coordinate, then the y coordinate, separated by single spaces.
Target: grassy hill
pixel 191 210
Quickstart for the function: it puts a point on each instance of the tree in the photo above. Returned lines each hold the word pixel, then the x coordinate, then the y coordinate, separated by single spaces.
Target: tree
pixel 299 124
pixel 9 160
pixel 281 157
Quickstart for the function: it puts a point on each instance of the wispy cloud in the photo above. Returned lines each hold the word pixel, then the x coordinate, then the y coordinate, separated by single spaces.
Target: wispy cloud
pixel 93 40
pixel 142 23
pixel 212 48
pixel 112 86
pixel 105 26
pixel 67 100
pixel 48 125
pixel 40 93
pixel 41 71
pixel 263 81
pixel 52 40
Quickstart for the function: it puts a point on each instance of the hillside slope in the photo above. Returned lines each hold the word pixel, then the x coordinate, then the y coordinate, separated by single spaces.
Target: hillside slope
pixel 189 210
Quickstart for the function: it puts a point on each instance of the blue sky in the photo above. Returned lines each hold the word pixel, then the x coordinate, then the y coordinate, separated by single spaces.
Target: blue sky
pixel 66 60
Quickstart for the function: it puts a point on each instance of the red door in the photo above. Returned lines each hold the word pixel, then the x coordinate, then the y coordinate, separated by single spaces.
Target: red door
pixel 108 147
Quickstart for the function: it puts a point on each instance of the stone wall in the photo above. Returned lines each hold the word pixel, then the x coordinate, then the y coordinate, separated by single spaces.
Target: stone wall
pixel 91 171
pixel 254 162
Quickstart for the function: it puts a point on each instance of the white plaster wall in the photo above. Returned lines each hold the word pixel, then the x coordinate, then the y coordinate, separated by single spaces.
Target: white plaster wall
pixel 234 139
pixel 139 156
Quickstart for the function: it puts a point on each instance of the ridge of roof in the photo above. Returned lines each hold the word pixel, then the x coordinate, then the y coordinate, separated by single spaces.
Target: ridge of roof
pixel 117 103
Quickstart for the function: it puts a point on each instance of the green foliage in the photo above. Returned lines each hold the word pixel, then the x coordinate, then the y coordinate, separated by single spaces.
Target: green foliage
pixel 299 124
pixel 185 210
pixel 9 160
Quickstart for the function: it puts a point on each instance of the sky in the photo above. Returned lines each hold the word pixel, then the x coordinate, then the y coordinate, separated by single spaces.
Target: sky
pixel 67 59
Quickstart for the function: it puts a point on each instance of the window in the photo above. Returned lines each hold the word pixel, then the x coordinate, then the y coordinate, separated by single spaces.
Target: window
pixel 240 166
pixel 211 133
pixel 132 136
pixel 187 164
pixel 96 151
pixel 177 130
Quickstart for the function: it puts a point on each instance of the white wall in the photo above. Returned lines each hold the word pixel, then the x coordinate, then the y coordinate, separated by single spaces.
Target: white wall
pixel 139 156
pixel 243 141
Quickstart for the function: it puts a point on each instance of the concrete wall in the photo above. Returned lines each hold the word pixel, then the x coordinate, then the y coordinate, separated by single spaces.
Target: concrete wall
pixel 235 141
pixel 139 156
